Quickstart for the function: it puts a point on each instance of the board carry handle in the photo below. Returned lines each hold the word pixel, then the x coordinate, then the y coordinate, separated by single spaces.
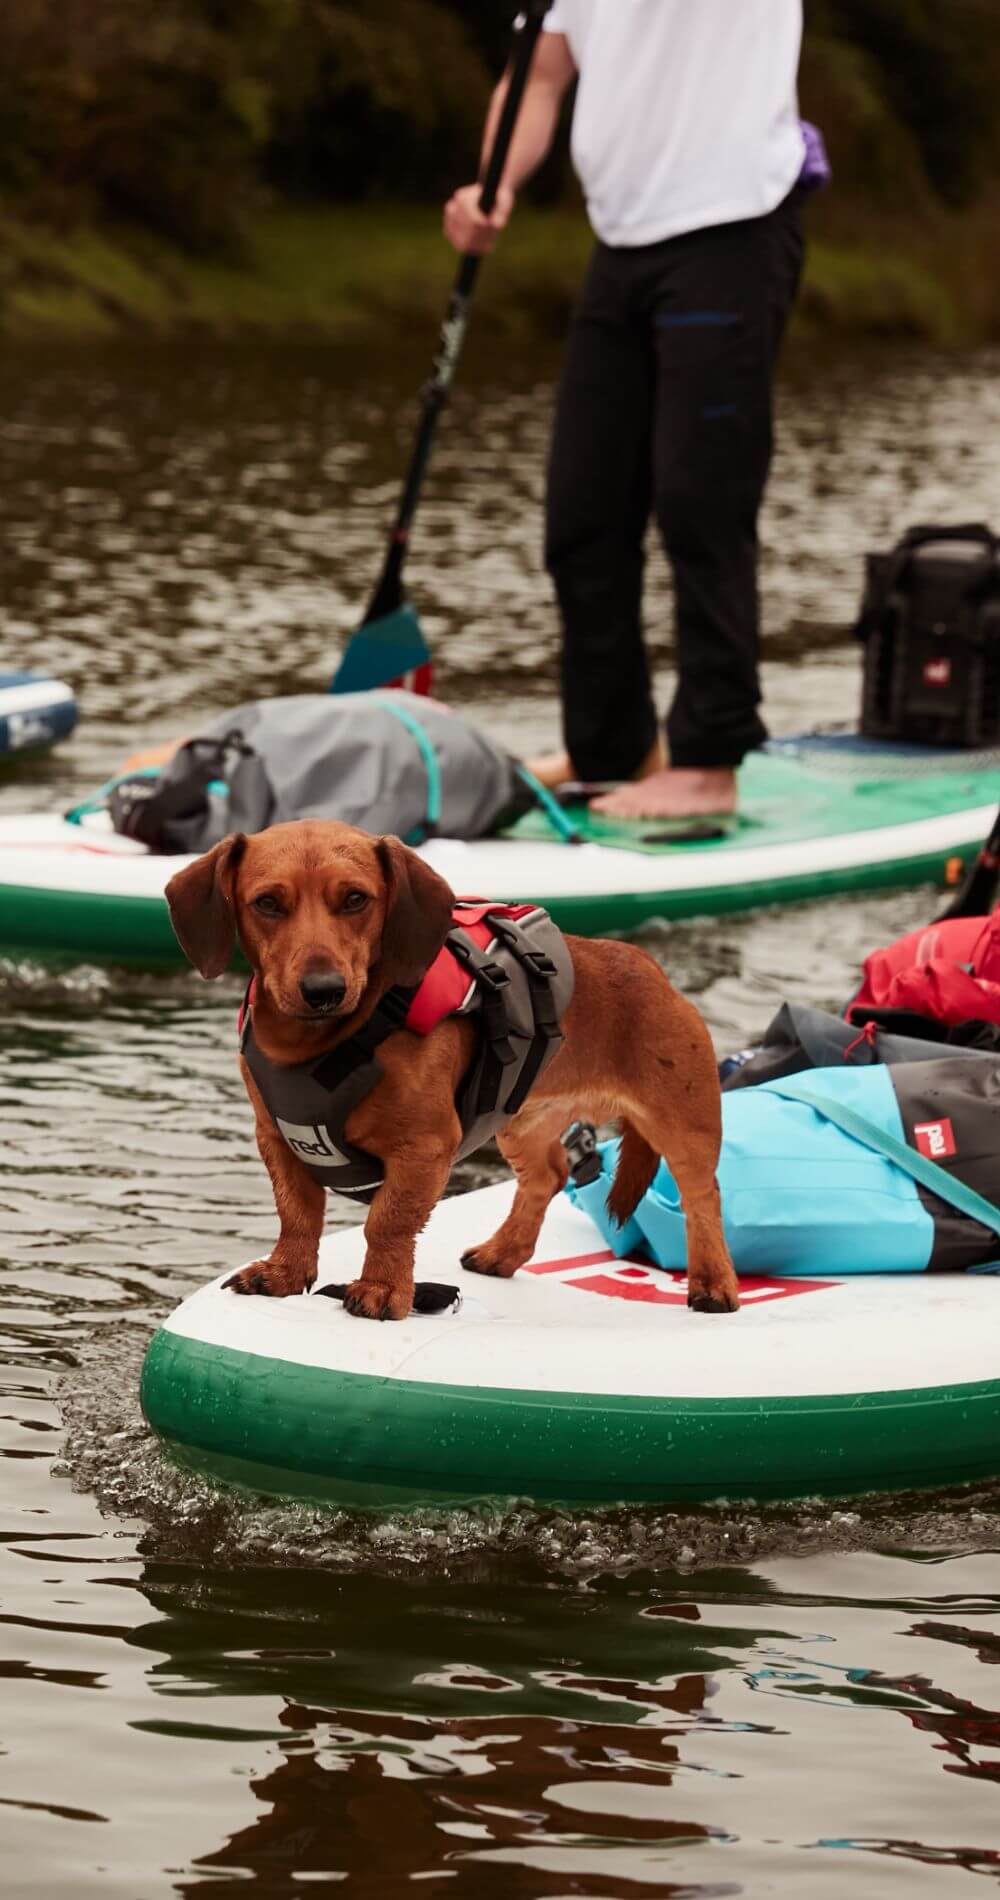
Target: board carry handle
pixel 429 1296
pixel 908 546
pixel 920 537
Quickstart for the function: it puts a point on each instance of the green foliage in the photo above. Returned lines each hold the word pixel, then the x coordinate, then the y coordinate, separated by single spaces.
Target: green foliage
pixel 877 162
pixel 183 116
pixel 386 100
pixel 938 63
pixel 154 114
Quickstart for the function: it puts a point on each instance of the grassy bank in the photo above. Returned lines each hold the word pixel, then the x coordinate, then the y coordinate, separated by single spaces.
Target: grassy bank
pixel 337 272
pixel 329 272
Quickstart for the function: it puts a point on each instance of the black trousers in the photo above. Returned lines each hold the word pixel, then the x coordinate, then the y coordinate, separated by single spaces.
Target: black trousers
pixel 665 407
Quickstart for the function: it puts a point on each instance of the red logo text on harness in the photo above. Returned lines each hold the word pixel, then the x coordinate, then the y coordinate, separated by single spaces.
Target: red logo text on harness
pixel 935 1139
pixel 654 1286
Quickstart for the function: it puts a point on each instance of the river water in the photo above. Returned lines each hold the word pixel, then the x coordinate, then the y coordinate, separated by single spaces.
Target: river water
pixel 199 1690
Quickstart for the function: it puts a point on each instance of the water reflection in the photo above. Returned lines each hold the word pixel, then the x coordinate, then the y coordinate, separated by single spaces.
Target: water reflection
pixel 490 1838
pixel 608 1734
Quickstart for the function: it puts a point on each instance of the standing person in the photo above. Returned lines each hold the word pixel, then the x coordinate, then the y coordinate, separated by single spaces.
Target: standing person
pixel 687 140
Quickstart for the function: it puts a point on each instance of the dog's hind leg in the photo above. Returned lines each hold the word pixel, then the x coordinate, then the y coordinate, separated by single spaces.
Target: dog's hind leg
pixel 712 1283
pixel 691 1154
pixel 531 1147
pixel 677 1111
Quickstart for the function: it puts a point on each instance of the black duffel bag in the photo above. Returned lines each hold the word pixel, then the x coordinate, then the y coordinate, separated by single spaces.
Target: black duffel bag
pixel 930 623
pixel 798 1038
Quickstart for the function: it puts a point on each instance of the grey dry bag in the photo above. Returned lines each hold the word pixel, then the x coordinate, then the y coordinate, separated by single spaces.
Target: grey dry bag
pixel 386 761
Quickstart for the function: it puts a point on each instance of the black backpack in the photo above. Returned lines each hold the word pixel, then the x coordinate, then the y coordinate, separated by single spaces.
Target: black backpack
pixel 930 623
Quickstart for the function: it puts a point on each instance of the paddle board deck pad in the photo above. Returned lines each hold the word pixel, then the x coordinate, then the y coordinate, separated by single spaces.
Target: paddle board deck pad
pixel 34 712
pixel 583 1380
pixel 802 833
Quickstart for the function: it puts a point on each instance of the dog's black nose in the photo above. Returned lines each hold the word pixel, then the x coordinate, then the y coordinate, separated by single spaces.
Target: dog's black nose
pixel 323 990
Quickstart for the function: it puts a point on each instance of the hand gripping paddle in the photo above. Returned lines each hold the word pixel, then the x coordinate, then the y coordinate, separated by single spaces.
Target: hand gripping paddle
pixel 389 648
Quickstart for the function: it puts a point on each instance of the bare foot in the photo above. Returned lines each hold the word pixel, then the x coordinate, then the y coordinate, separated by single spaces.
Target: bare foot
pixel 677 792
pixel 553 769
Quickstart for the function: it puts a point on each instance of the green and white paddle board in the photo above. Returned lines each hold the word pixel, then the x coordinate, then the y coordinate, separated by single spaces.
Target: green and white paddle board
pixel 583 1380
pixel 813 821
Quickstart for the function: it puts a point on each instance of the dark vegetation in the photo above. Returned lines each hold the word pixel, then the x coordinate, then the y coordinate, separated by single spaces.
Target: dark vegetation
pixel 181 115
pixel 190 120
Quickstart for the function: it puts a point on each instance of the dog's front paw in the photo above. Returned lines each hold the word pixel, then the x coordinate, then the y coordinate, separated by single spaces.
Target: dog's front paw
pixel 378 1299
pixel 272 1279
pixel 492 1260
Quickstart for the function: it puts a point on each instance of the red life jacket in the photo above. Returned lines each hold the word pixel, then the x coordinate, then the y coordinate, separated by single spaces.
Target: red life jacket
pixel 949 972
pixel 448 989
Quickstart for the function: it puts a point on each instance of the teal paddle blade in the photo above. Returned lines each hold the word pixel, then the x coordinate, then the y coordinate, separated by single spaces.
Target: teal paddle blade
pixel 390 651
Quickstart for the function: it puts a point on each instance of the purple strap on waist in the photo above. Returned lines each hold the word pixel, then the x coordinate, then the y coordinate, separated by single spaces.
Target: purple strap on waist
pixel 816 168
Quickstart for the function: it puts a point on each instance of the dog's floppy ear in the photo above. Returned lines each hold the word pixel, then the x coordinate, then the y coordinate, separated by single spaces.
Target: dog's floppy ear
pixel 203 908
pixel 418 913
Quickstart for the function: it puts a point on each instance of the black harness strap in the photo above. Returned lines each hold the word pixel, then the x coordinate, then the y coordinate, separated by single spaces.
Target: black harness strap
pixel 388 1016
pixel 491 980
pixel 539 970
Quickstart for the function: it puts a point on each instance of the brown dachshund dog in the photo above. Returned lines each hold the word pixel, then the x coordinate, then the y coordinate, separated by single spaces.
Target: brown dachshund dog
pixel 329 919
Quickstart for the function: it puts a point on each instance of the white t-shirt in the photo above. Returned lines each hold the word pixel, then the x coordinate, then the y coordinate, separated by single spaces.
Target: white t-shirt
pixel 686 113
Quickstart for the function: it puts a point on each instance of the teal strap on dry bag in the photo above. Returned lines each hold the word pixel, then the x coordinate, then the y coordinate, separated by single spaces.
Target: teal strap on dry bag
pixel 431 767
pixel 100 798
pixel 551 807
pixel 927 1172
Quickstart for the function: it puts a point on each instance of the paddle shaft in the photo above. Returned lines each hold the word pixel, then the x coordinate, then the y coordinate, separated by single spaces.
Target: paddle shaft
pixel 389 592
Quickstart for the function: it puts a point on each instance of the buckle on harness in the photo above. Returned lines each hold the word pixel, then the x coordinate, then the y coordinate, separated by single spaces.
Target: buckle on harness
pixel 493 975
pixel 538 963
pixel 580 1143
pixel 484 969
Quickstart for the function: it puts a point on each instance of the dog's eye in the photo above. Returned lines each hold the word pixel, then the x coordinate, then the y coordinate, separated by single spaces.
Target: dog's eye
pixel 355 900
pixel 269 905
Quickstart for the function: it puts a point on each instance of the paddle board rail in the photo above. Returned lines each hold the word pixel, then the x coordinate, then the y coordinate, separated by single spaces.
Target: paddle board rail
pixel 583 1380
pixel 81 885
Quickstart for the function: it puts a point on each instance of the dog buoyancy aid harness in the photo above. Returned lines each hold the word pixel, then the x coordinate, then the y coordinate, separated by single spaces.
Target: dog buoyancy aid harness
pixel 506 965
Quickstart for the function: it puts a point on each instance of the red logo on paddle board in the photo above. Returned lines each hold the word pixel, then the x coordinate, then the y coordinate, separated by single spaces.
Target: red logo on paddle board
pixel 937 673
pixel 935 1139
pixel 653 1286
